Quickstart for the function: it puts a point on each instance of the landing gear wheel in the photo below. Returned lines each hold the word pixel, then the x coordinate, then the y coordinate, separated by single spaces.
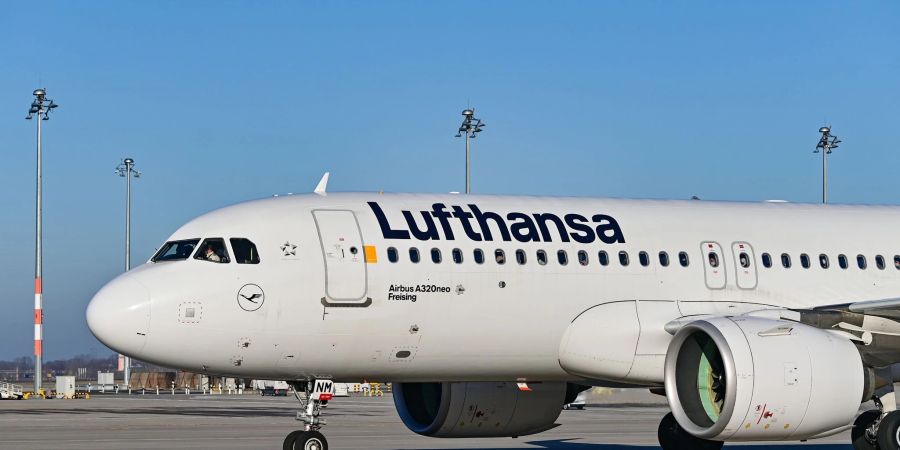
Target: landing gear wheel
pixel 290 439
pixel 673 437
pixel 862 435
pixel 305 440
pixel 889 431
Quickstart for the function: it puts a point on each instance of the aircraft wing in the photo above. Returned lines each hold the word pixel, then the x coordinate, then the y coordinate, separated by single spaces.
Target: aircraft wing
pixel 873 324
pixel 888 307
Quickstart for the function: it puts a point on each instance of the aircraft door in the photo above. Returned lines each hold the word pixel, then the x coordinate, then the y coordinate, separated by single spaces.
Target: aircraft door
pixel 345 263
pixel 713 265
pixel 744 265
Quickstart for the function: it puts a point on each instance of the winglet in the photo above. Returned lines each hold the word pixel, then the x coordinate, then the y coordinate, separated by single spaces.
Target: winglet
pixel 323 183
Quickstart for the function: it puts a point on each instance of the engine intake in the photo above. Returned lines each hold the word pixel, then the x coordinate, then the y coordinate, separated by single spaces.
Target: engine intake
pixel 478 409
pixel 749 378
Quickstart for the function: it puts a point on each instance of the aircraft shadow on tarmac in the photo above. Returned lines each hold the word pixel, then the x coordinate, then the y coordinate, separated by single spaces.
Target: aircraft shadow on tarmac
pixel 570 444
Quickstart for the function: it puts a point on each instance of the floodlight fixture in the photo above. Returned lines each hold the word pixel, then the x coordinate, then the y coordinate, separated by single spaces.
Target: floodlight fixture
pixel 40 106
pixel 827 143
pixel 469 128
pixel 126 170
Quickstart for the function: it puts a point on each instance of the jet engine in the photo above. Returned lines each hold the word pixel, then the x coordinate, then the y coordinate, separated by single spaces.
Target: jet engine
pixel 479 409
pixel 750 378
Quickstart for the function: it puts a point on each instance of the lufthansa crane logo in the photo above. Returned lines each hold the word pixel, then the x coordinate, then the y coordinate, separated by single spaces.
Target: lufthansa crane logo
pixel 250 297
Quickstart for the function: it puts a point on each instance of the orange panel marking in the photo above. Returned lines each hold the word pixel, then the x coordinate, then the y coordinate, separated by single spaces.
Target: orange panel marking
pixel 371 255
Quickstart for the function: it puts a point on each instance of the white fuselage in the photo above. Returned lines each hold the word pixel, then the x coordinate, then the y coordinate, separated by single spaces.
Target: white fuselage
pixel 335 306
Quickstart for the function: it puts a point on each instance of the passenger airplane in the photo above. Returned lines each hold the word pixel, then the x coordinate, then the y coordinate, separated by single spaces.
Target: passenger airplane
pixel 758 321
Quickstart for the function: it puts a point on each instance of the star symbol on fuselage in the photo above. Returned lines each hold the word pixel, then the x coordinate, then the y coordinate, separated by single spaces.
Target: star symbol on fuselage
pixel 289 249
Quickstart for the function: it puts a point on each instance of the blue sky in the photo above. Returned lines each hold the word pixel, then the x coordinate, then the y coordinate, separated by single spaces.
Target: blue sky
pixel 221 102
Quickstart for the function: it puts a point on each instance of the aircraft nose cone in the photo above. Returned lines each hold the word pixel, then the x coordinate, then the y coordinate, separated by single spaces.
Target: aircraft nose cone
pixel 119 315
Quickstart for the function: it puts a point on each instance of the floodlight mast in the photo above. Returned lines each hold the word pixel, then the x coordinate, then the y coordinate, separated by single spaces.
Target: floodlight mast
pixel 41 106
pixel 126 170
pixel 827 143
pixel 470 127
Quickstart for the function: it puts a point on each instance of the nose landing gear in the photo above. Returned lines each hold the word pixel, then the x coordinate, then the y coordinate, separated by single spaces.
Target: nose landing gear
pixel 312 397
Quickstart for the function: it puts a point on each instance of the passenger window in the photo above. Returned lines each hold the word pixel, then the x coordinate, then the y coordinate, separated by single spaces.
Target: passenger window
pixel 176 250
pixel 664 259
pixel 436 255
pixel 244 251
pixel 713 260
pixel 478 256
pixel 744 259
pixel 804 260
pixel 414 254
pixel 786 260
pixel 767 260
pixel 499 256
pixel 582 257
pixel 897 262
pixel 392 255
pixel 542 257
pixel 213 250
pixel 861 261
pixel 683 259
pixel 603 257
pixel 823 261
pixel 520 256
pixel 563 257
pixel 644 259
pixel 842 261
pixel 623 258
pixel 457 255
pixel 879 262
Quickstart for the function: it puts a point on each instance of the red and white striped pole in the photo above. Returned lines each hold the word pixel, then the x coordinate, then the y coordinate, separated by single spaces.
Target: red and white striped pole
pixel 42 107
pixel 38 332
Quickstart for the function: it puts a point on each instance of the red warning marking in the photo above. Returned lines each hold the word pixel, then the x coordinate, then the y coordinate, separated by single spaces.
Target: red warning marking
pixel 763 414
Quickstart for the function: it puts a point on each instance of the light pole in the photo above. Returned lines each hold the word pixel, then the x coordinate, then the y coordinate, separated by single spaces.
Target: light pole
pixel 41 106
pixel 827 143
pixel 127 171
pixel 470 127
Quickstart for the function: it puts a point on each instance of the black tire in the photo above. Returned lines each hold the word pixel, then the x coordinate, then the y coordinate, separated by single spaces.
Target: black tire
pixel 290 439
pixel 308 440
pixel 889 432
pixel 672 437
pixel 858 432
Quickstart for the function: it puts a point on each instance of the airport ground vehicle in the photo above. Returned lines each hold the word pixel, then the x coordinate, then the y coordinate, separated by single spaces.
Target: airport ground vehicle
pixel 578 403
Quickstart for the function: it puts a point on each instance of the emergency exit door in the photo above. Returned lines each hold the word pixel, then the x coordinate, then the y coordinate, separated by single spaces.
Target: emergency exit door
pixel 713 265
pixel 744 265
pixel 342 248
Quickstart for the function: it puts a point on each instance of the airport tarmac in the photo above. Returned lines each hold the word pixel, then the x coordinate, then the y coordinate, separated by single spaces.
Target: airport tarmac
pixel 253 422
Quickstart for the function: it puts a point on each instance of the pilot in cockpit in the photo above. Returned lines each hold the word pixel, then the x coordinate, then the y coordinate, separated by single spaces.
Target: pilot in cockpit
pixel 210 255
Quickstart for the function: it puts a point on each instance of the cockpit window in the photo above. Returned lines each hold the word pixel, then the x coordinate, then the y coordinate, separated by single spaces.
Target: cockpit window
pixel 245 251
pixel 213 250
pixel 176 250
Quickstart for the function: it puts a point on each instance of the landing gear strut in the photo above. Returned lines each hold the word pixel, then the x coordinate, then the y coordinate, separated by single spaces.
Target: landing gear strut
pixel 879 429
pixel 309 438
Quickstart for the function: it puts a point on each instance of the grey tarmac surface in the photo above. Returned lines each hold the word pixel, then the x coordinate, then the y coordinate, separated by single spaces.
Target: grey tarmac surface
pixel 253 422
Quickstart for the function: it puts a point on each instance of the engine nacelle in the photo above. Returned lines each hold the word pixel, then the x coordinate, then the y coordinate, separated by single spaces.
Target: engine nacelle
pixel 750 378
pixel 482 409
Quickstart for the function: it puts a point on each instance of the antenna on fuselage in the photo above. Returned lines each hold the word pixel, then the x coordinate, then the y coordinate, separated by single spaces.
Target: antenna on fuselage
pixel 323 183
